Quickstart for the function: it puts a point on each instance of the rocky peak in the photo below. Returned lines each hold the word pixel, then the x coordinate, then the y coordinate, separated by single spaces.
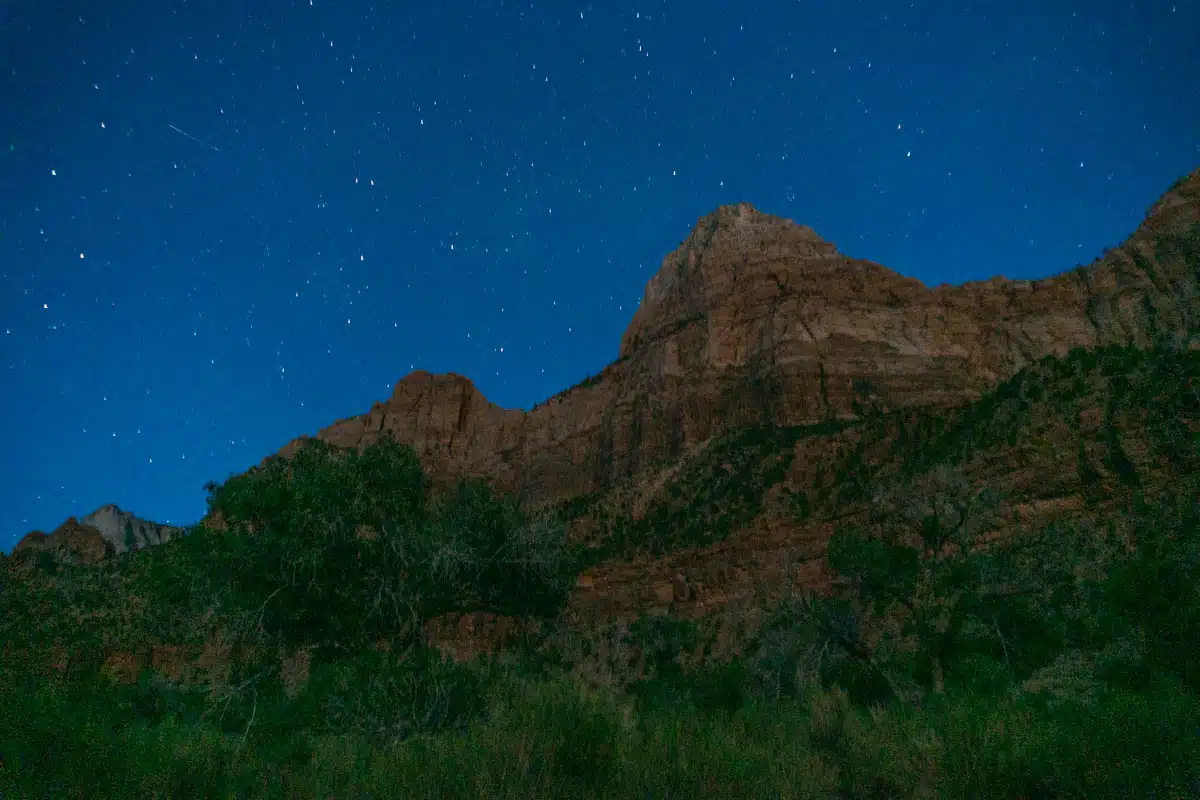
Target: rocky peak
pixel 447 408
pixel 70 542
pixel 423 388
pixel 442 416
pixel 126 532
pixel 724 249
pixel 106 531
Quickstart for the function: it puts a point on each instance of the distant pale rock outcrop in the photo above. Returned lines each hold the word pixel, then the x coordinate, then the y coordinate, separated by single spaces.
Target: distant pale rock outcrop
pixel 105 532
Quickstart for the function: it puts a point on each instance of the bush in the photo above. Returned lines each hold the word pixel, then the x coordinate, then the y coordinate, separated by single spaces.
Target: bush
pixel 336 545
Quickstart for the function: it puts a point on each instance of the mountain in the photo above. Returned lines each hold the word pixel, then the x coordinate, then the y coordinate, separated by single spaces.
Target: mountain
pixel 105 532
pixel 758 346
pixel 769 371
pixel 933 542
pixel 754 319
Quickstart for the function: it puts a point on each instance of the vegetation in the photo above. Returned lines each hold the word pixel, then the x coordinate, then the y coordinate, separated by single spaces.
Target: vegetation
pixel 281 653
pixel 711 497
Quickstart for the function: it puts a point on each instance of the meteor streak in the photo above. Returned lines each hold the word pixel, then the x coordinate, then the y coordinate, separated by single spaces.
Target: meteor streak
pixel 200 142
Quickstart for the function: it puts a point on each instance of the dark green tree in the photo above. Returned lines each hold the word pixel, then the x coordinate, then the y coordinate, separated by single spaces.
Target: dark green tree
pixel 308 537
pixel 916 564
pixel 342 546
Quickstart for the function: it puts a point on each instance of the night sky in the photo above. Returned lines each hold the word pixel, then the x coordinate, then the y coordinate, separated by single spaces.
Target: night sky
pixel 227 224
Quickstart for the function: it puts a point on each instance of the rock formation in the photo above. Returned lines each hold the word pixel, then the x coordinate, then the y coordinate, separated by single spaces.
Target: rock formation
pixel 106 531
pixel 757 319
pixel 126 532
pixel 70 541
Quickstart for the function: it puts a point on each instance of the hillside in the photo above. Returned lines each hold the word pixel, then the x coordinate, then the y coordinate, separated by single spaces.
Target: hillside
pixel 820 531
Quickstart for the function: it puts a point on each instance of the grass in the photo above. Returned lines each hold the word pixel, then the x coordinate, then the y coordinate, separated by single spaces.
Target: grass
pixel 551 737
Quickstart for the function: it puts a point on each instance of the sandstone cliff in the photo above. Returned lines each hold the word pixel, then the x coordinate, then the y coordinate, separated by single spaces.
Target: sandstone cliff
pixel 757 319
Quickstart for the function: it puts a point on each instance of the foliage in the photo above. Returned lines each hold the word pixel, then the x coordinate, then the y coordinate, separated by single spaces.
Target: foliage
pixel 323 539
pixel 713 496
pixel 921 563
pixel 344 546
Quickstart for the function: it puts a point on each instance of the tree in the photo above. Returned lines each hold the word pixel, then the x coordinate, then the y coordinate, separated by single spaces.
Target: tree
pixel 1156 590
pixel 917 561
pixel 310 560
pixel 341 546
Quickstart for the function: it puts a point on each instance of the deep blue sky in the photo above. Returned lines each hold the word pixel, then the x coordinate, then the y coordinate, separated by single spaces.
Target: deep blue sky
pixel 222 228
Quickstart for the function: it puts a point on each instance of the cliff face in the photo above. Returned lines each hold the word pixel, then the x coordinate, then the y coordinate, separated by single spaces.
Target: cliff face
pixel 757 319
pixel 106 531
